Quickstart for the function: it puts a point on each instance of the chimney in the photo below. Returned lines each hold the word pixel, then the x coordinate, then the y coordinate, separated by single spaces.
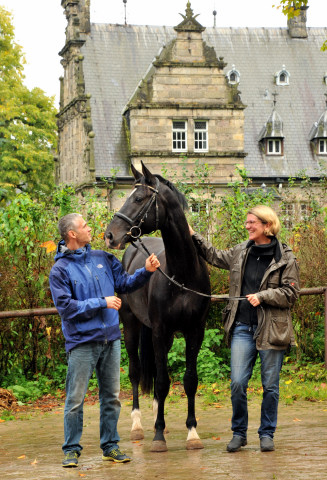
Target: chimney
pixel 297 25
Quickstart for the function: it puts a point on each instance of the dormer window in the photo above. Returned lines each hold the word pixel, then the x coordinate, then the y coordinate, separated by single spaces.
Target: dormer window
pixel 322 147
pixel 282 77
pixel 274 146
pixel 318 134
pixel 271 136
pixel 233 76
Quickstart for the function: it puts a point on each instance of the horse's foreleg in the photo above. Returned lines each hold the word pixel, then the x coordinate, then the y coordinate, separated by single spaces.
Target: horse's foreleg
pixel 190 385
pixel 131 335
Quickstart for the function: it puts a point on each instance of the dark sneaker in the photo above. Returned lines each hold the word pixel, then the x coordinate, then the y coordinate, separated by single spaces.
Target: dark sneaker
pixel 116 456
pixel 267 444
pixel 71 459
pixel 236 443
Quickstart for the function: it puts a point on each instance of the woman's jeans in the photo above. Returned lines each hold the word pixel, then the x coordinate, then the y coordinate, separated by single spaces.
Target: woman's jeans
pixel 243 357
pixel 104 358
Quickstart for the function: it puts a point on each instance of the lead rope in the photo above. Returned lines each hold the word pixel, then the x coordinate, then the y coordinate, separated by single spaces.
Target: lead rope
pixel 180 285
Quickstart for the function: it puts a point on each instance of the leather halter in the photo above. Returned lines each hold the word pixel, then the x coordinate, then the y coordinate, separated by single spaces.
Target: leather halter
pixel 135 231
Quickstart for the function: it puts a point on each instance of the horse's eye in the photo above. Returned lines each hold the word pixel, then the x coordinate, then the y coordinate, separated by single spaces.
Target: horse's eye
pixel 138 199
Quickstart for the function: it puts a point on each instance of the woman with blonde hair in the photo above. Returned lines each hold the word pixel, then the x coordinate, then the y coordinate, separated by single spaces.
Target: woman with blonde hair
pixel 264 274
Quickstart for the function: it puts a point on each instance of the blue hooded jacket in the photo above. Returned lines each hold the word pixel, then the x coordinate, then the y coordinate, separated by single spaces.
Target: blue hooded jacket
pixel 79 281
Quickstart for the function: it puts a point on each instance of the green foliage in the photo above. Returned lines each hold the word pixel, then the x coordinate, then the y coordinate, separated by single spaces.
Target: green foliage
pixel 28 237
pixel 28 135
pixel 234 205
pixel 211 365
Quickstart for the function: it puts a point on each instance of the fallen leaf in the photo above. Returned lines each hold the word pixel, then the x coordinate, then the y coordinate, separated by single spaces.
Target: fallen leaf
pixel 288 382
pixel 296 420
pixel 34 462
pixel 22 456
pixel 215 438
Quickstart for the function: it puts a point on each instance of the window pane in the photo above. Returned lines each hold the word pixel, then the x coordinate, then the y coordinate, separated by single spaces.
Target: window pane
pixel 277 145
pixel 200 125
pixel 179 125
pixel 270 146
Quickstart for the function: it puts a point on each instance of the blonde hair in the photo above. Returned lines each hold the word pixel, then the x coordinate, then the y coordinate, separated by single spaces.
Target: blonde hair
pixel 266 215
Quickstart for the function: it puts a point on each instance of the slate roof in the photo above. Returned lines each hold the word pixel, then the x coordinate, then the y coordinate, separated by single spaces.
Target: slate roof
pixel 117 57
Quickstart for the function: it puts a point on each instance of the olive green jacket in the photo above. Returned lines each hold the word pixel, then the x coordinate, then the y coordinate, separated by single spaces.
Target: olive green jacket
pixel 279 289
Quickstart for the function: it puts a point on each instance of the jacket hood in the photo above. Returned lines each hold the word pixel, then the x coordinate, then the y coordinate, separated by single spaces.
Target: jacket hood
pixel 63 251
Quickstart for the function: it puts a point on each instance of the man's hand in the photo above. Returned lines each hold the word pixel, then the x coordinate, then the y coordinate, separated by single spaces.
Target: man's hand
pixel 253 299
pixel 113 302
pixel 152 263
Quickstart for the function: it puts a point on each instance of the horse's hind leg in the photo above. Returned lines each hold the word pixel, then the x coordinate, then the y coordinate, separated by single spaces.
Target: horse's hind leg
pixel 161 388
pixel 190 385
pixel 131 336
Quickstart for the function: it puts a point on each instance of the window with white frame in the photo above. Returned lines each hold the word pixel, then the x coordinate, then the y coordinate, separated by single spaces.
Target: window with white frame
pixel 322 146
pixel 282 77
pixel 179 136
pixel 200 136
pixel 288 214
pixel 305 211
pixel 233 76
pixel 274 146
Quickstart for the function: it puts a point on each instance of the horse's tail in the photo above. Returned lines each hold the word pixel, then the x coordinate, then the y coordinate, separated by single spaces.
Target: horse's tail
pixel 148 368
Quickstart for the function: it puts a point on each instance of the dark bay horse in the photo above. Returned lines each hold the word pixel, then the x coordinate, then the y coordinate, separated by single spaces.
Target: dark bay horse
pixel 153 313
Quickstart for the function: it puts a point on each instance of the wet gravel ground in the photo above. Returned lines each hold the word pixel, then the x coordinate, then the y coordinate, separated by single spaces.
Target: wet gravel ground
pixel 31 448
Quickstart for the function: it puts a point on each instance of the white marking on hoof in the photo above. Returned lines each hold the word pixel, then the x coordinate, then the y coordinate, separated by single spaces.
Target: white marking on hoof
pixel 193 441
pixel 137 429
pixel 192 434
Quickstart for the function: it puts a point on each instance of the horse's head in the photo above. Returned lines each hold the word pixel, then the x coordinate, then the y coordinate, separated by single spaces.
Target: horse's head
pixel 139 215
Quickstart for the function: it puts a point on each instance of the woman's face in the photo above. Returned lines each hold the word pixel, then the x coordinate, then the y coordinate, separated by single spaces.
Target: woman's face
pixel 256 229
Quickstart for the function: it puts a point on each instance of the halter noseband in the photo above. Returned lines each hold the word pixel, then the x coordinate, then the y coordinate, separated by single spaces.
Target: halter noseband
pixel 135 231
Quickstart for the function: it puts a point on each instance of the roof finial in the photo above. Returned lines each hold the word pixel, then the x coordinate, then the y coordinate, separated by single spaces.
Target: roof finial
pixel 214 13
pixel 275 95
pixel 125 1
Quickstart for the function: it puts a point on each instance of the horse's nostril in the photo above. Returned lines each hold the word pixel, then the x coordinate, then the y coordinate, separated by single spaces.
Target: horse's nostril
pixel 108 235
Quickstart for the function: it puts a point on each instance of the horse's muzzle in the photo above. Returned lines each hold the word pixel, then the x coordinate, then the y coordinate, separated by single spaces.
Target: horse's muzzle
pixel 111 242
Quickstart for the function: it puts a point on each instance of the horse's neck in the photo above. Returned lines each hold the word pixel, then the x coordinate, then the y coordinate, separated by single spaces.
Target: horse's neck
pixel 181 255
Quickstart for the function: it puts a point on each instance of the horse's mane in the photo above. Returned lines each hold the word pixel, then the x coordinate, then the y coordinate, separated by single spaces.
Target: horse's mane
pixel 180 196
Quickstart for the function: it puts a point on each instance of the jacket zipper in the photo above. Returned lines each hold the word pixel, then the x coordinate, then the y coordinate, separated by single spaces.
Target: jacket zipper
pixel 90 272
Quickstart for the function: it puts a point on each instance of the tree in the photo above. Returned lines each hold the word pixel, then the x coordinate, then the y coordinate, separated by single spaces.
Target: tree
pixel 27 124
pixel 291 8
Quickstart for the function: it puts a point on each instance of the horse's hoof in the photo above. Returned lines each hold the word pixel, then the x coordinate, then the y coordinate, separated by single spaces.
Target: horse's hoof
pixel 194 444
pixel 158 446
pixel 137 434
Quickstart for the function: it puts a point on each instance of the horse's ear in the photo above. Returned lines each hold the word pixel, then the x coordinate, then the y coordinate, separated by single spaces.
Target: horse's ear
pixel 136 173
pixel 149 177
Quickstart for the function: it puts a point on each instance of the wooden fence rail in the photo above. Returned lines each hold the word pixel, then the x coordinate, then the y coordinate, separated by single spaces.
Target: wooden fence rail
pixel 35 312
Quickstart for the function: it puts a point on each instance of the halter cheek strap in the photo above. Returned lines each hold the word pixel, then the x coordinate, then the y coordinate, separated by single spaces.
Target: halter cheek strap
pixel 135 231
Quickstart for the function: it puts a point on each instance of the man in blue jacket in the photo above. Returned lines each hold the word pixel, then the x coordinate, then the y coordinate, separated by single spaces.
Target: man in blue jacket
pixel 83 283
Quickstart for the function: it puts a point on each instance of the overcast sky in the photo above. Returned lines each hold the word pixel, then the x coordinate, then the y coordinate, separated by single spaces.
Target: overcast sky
pixel 40 25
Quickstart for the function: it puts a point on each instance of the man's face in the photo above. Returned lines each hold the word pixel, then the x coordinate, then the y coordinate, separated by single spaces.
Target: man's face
pixel 81 232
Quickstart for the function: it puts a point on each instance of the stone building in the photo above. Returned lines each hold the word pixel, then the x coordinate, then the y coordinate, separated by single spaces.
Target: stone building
pixel 220 96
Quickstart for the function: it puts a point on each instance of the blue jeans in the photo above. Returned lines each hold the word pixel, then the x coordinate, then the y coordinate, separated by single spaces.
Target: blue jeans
pixel 82 361
pixel 243 357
